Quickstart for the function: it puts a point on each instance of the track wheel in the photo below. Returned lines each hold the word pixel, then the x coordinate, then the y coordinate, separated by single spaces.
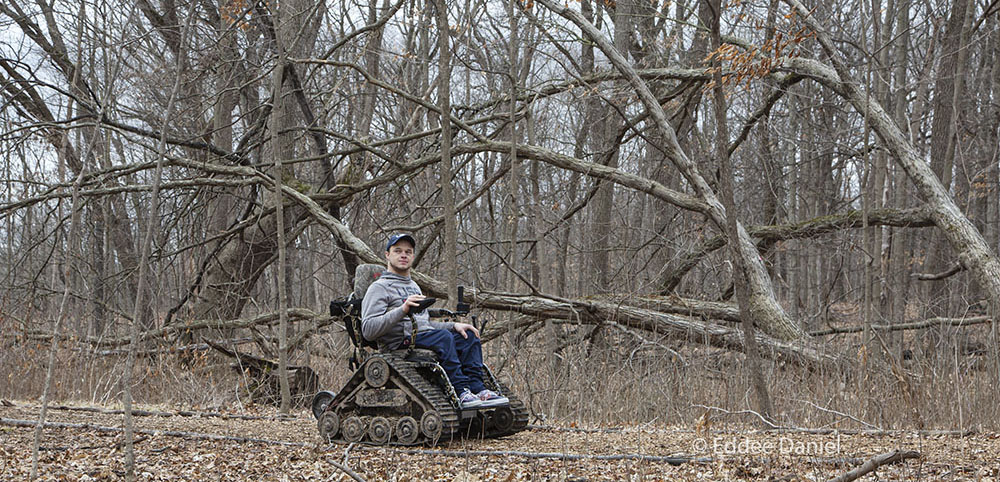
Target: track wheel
pixel 379 430
pixel 407 430
pixel 503 419
pixel 354 429
pixel 320 401
pixel 431 424
pixel 329 425
pixel 376 372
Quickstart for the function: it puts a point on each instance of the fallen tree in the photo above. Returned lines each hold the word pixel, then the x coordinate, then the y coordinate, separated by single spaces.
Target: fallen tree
pixel 594 312
pixel 585 311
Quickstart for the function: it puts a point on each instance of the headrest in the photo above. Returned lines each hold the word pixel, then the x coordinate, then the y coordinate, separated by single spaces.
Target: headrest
pixel 364 276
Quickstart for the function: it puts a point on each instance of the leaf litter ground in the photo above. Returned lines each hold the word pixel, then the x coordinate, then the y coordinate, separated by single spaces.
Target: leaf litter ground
pixel 628 453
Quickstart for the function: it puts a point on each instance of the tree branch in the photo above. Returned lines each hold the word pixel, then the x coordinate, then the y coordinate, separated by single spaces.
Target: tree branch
pixel 916 325
pixel 875 462
pixel 955 269
pixel 916 217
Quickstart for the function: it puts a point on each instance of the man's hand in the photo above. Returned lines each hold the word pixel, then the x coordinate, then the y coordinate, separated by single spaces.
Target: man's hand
pixel 411 302
pixel 464 328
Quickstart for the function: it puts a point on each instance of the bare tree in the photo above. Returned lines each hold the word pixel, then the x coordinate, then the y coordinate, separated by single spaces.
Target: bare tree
pixel 578 167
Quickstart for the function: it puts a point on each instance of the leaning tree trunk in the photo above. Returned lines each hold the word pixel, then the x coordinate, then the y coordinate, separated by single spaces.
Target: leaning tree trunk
pixel 766 311
pixel 968 244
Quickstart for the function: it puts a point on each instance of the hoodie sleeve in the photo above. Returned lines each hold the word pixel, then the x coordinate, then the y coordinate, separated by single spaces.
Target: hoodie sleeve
pixel 376 317
pixel 442 325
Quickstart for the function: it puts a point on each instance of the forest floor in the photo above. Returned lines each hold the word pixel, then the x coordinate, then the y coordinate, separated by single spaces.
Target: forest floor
pixel 213 446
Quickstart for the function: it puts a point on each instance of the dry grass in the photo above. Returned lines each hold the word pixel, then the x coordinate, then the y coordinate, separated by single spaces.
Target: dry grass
pixel 622 383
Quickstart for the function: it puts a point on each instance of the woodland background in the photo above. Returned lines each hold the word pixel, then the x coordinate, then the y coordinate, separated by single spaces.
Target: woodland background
pixel 597 161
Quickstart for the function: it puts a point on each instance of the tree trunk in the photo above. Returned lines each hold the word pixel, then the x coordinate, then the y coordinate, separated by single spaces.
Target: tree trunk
pixel 152 222
pixel 450 249
pixel 948 93
pixel 511 209
pixel 281 147
pixel 726 190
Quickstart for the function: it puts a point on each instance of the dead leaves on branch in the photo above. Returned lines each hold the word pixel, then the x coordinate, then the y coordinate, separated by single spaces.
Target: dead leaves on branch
pixel 748 63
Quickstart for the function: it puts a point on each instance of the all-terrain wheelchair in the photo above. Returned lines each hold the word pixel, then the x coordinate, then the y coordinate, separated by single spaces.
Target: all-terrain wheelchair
pixel 403 397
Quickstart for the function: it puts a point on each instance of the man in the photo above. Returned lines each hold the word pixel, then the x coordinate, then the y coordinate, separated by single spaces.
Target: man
pixel 384 318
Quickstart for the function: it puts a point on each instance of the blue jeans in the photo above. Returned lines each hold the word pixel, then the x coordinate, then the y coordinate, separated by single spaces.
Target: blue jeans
pixel 461 358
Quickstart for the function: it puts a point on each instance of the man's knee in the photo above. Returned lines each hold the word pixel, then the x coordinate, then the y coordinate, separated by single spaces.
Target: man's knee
pixel 461 341
pixel 439 339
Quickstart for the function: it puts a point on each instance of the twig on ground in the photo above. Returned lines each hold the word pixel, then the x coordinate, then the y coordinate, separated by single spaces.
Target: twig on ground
pixel 742 412
pixel 876 462
pixel 117 445
pixel 181 413
pixel 827 410
pixel 347 452
pixel 546 455
pixel 345 469
pixel 156 433
pixel 828 431
pixel 554 428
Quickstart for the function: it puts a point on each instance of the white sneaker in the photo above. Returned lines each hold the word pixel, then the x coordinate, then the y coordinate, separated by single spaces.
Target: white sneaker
pixel 469 400
pixel 489 398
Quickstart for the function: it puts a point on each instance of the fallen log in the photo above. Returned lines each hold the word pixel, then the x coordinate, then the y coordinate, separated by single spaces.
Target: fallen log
pixel 800 352
pixel 672 460
pixel 179 413
pixel 592 312
pixel 695 308
pixel 13 422
pixel 875 462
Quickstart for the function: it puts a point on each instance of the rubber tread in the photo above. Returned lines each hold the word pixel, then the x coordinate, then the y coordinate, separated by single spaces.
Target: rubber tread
pixel 433 395
pixel 402 372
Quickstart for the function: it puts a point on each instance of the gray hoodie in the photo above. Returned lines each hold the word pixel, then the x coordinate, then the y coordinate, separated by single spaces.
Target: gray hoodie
pixel 382 317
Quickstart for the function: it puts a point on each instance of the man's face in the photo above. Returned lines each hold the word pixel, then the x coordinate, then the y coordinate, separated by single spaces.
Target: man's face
pixel 400 255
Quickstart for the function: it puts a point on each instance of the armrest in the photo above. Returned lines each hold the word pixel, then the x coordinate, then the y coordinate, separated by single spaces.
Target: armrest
pixel 423 305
